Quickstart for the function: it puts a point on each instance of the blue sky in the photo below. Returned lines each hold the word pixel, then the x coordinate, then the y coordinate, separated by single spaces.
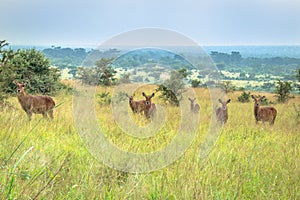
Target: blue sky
pixel 91 22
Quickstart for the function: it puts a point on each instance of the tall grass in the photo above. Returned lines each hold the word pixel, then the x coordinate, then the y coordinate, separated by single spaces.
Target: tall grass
pixel 48 160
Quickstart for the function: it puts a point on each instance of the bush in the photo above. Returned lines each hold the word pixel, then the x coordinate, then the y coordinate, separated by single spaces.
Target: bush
pixel 27 66
pixel 104 98
pixel 227 86
pixel 172 89
pixel 195 83
pixel 245 97
pixel 283 90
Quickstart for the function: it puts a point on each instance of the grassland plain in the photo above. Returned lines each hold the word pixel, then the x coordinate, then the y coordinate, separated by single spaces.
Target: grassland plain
pixel 45 159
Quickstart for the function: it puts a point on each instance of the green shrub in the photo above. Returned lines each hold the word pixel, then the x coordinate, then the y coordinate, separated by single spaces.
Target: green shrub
pixel 195 83
pixel 283 90
pixel 245 97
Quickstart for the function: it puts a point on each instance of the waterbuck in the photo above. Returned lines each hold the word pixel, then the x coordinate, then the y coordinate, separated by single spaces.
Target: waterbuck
pixel 147 106
pixel 222 112
pixel 263 113
pixel 135 105
pixel 34 104
pixel 194 107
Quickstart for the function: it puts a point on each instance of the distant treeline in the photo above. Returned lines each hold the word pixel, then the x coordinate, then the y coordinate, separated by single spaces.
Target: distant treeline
pixel 277 66
pixel 66 57
pixel 72 58
pixel 232 62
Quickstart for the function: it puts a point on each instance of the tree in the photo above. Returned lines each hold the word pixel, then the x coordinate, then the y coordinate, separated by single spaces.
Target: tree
pixel 30 66
pixel 33 67
pixel 298 77
pixel 245 97
pixel 105 73
pixel 101 74
pixel 195 83
pixel 227 86
pixel 282 90
pixel 6 69
pixel 87 75
pixel 124 78
pixel 172 89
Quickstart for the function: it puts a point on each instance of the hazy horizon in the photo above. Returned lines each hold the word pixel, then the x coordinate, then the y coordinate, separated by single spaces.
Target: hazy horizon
pixel 245 50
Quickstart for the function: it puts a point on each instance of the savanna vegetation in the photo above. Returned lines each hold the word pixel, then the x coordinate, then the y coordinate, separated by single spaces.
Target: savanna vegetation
pixel 48 159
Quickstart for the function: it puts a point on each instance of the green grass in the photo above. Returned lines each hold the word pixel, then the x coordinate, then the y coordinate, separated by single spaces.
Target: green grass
pixel 45 159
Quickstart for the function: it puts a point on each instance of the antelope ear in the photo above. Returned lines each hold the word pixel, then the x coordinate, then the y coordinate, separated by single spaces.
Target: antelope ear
pixel 262 97
pixel 220 101
pixel 127 95
pixel 228 100
pixel 190 99
pixel 15 82
pixel 152 95
pixel 144 94
pixel 252 96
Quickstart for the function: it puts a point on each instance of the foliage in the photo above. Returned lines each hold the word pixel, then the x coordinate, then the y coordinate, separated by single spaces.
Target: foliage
pixel 255 65
pixel 243 164
pixel 234 57
pixel 87 75
pixel 65 57
pixel 142 57
pixel 167 95
pixel 298 78
pixel 172 89
pixel 101 74
pixel 283 90
pixel 124 78
pixel 195 83
pixel 245 97
pixel 105 72
pixel 30 66
pixel 227 86
pixel 6 69
pixel 120 97
pixel 104 98
pixel 34 68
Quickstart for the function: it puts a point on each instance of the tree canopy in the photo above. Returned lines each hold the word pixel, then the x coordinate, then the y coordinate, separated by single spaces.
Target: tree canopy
pixel 30 66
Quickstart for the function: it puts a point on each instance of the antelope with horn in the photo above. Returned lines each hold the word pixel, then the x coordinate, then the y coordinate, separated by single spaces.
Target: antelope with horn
pixel 222 112
pixel 134 105
pixel 194 106
pixel 148 107
pixel 263 113
pixel 34 104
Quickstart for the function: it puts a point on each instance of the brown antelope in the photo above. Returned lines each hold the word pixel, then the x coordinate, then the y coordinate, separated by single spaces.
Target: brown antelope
pixel 222 112
pixel 265 113
pixel 147 106
pixel 194 107
pixel 34 104
pixel 135 105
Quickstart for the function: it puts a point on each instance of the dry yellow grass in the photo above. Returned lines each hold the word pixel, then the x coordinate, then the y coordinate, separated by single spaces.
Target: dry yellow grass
pixel 48 159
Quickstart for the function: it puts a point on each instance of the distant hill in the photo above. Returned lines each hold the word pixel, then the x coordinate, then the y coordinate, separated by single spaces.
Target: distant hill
pixel 292 51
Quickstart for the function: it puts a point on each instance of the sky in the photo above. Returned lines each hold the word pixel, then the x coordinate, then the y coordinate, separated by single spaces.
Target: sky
pixel 92 22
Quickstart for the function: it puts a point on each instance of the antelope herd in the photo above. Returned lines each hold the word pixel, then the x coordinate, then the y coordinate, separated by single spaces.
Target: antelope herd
pixel 44 105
